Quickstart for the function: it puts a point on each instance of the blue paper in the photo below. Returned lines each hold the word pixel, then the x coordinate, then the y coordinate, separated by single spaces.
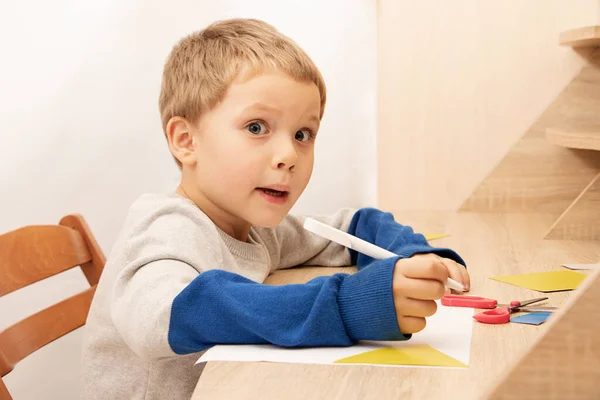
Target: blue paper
pixel 534 318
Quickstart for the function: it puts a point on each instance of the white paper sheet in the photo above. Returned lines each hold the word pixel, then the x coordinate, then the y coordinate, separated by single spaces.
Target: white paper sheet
pixel 581 266
pixel 448 331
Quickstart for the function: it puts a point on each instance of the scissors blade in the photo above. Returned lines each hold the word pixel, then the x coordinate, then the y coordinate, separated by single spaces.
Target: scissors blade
pixel 520 304
pixel 527 302
pixel 518 307
pixel 534 309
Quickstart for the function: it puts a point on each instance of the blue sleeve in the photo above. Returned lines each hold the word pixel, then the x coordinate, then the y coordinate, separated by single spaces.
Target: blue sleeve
pixel 220 307
pixel 381 229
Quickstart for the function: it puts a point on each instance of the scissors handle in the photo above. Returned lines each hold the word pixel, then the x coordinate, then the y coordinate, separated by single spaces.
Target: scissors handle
pixel 453 300
pixel 500 315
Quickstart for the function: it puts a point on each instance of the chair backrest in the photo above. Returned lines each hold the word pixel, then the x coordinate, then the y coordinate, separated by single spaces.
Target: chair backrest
pixel 33 253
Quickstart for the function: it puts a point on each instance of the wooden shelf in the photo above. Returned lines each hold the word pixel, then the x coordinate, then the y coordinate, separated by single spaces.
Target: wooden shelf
pixel 585 138
pixel 581 37
pixel 538 176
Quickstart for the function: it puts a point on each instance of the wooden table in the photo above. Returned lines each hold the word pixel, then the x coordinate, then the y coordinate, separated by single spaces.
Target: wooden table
pixel 492 245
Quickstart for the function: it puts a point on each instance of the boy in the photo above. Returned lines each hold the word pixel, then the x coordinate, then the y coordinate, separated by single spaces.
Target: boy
pixel 241 105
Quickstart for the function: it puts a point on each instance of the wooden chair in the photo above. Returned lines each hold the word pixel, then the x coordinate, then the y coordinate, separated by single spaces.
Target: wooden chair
pixel 30 254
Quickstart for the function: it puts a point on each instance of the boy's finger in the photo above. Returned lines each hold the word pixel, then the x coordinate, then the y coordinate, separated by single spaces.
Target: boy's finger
pixel 428 266
pixel 453 270
pixel 466 277
pixel 419 289
pixel 457 272
pixel 415 308
pixel 410 325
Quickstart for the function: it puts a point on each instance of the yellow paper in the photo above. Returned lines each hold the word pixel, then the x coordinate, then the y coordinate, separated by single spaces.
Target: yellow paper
pixel 434 236
pixel 420 354
pixel 545 281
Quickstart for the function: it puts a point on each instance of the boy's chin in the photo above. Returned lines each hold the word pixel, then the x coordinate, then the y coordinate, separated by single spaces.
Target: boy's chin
pixel 268 221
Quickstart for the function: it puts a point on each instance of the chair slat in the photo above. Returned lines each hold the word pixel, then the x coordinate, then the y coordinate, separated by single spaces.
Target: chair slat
pixel 33 253
pixel 36 331
pixel 5 365
pixel 4 395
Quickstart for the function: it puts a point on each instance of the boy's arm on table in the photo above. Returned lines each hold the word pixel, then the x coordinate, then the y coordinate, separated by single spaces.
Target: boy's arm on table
pixel 381 229
pixel 297 246
pixel 167 308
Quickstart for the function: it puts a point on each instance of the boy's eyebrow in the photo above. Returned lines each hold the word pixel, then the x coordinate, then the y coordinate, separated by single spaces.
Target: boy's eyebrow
pixel 314 118
pixel 262 106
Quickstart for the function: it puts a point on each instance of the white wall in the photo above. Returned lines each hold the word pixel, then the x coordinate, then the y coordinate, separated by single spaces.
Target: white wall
pixel 79 84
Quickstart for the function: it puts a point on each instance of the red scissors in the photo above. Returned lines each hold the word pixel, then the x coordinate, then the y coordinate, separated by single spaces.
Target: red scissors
pixel 498 313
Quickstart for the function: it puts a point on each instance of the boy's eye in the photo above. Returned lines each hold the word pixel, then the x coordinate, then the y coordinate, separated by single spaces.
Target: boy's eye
pixel 256 128
pixel 303 136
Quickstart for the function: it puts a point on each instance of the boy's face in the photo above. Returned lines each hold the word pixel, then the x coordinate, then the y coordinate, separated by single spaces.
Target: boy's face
pixel 254 152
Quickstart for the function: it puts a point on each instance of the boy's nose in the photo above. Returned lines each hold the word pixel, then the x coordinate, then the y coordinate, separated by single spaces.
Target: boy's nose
pixel 285 155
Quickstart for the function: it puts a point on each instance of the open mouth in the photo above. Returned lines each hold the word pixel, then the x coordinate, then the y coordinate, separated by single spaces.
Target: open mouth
pixel 272 192
pixel 274 196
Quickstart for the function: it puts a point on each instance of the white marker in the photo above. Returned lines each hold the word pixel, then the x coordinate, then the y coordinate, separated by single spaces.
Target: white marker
pixel 362 246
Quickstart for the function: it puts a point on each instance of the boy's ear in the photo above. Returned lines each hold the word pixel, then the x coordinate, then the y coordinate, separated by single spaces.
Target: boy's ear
pixel 181 140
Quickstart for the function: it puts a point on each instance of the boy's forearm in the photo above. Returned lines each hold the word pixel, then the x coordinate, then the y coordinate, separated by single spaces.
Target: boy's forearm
pixel 381 229
pixel 220 307
pixel 300 247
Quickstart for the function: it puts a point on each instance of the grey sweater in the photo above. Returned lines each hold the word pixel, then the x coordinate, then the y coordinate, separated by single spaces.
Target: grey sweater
pixel 175 285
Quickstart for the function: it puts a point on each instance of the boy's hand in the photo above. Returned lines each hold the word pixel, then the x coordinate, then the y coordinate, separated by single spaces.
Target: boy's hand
pixel 457 272
pixel 417 282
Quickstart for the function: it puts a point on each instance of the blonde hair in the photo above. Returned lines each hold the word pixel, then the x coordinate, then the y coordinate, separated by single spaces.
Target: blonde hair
pixel 202 65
